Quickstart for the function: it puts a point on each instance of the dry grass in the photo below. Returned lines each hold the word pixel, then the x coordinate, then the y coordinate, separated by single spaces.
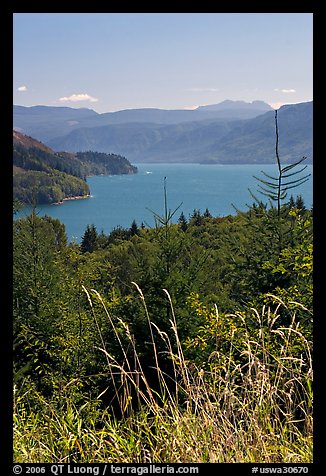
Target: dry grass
pixel 256 411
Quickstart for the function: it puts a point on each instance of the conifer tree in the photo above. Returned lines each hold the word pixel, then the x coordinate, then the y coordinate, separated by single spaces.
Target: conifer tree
pixel 196 218
pixel 291 202
pixel 207 214
pixel 133 230
pixel 276 188
pixel 299 203
pixel 182 221
pixel 89 240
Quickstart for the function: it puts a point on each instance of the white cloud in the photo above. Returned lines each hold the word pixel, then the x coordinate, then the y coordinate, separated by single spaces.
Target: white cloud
pixel 78 97
pixel 191 108
pixel 22 88
pixel 285 90
pixel 277 105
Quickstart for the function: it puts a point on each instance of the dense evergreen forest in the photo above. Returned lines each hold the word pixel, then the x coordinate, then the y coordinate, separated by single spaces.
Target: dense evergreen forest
pixel 186 342
pixel 41 175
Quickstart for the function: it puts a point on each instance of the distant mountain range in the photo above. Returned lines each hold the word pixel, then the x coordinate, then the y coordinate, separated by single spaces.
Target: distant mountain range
pixel 228 132
pixel 47 122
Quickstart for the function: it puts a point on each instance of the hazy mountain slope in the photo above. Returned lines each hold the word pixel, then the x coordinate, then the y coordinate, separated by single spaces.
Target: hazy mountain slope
pixel 185 142
pixel 163 116
pixel 46 123
pixel 237 105
pixel 220 141
pixel 254 140
pixel 125 139
pixel 141 142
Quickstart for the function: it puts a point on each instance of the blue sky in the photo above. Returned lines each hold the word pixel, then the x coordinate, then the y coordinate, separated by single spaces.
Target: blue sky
pixel 113 61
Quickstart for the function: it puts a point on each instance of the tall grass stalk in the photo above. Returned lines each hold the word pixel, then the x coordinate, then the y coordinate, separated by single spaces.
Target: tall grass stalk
pixel 255 410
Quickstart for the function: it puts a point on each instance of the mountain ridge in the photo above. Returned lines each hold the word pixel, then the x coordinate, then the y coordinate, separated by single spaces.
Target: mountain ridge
pixel 49 122
pixel 210 141
pixel 228 104
pixel 221 137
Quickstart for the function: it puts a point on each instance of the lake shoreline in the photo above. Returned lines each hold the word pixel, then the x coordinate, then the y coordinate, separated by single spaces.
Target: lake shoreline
pixel 77 197
pixel 120 199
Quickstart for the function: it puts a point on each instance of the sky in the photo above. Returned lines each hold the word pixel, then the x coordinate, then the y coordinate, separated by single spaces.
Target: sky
pixel 113 61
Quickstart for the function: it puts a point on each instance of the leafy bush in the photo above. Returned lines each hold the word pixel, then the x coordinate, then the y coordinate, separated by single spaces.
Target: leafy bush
pixel 259 410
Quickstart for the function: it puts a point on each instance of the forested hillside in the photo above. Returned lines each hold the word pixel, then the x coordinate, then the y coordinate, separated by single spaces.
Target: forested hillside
pixel 41 175
pixel 187 342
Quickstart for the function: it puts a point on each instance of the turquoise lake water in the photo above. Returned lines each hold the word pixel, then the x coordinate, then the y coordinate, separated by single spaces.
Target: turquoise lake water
pixel 118 200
